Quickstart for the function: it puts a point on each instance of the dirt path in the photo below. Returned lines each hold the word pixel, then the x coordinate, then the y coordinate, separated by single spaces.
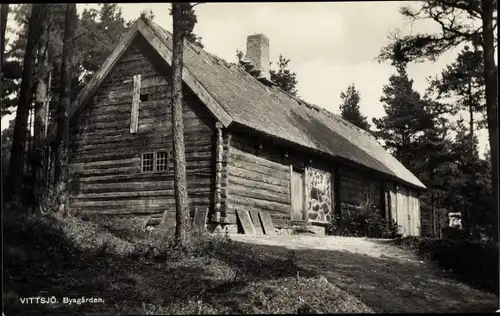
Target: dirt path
pixel 377 248
pixel 384 277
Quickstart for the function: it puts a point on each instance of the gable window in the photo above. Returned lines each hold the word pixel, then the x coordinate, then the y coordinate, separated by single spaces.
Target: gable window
pixel 144 97
pixel 162 161
pixel 147 162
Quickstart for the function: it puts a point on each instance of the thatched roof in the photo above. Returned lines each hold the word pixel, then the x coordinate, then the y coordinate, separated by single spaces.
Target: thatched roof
pixel 240 99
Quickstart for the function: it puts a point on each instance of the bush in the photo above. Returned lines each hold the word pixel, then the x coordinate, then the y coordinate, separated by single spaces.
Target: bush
pixel 364 222
pixel 474 262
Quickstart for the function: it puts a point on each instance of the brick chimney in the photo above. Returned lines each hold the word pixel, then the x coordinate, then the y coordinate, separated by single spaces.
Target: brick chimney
pixel 258 53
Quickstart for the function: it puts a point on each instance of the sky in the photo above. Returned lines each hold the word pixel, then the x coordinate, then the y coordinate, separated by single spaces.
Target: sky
pixel 330 45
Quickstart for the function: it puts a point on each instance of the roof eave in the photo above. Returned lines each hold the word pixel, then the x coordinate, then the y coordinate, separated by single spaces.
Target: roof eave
pixel 336 159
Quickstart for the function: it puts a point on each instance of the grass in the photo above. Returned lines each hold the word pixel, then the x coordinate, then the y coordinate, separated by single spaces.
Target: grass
pixel 74 258
pixel 392 286
pixel 140 273
pixel 473 262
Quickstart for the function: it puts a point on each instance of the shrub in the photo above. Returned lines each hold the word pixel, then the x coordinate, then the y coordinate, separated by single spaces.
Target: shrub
pixel 474 262
pixel 365 221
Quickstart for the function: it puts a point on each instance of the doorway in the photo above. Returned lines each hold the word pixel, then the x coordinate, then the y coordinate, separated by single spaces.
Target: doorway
pixel 297 194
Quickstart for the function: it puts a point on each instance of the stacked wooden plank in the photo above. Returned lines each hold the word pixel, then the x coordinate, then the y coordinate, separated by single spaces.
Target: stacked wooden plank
pixel 255 222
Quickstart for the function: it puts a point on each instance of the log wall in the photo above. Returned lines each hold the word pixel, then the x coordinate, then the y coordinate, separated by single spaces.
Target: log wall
pixel 105 158
pixel 257 180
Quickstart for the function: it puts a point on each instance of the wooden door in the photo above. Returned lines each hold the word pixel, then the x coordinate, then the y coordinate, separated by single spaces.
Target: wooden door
pixel 297 193
pixel 402 211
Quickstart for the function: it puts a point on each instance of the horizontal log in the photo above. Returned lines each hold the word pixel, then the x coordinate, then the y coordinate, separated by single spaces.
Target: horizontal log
pixel 140 145
pixel 162 123
pixel 149 137
pixel 259 204
pixel 258 194
pixel 120 211
pixel 139 140
pixel 252 184
pixel 194 155
pixel 105 164
pixel 247 157
pixel 231 209
pixel 255 176
pixel 84 129
pixel 193 192
pixel 139 203
pixel 109 171
pixel 100 157
pixel 133 211
pixel 249 166
pixel 192 169
pixel 124 129
pixel 111 181
pixel 132 56
pixel 121 106
pixel 128 154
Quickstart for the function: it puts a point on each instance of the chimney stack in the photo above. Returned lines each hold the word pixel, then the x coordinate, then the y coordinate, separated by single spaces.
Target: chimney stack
pixel 258 53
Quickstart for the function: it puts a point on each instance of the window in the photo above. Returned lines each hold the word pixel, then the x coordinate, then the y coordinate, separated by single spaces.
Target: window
pixel 147 162
pixel 144 97
pixel 158 162
pixel 162 161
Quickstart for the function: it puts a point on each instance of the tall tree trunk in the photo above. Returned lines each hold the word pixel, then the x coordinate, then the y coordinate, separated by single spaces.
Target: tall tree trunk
pixel 488 44
pixel 182 215
pixel 38 159
pixel 15 176
pixel 4 13
pixel 61 168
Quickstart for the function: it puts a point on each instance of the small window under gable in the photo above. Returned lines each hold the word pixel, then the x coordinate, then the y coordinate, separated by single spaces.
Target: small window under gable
pixel 144 97
pixel 136 100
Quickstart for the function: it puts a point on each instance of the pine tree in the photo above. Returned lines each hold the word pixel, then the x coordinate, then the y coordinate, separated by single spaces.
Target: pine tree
pixel 61 166
pixel 458 22
pixel 15 176
pixel 42 86
pixel 349 109
pixel 405 118
pixel 4 13
pixel 463 80
pixel 94 40
pixel 282 77
pixel 183 19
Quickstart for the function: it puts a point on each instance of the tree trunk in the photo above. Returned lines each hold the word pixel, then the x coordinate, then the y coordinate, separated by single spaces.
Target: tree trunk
pixel 61 163
pixel 182 215
pixel 38 159
pixel 15 176
pixel 488 43
pixel 4 13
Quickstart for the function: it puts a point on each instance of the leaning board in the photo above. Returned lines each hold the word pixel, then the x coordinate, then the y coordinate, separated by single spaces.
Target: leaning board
pixel 200 220
pixel 254 215
pixel 246 222
pixel 265 218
